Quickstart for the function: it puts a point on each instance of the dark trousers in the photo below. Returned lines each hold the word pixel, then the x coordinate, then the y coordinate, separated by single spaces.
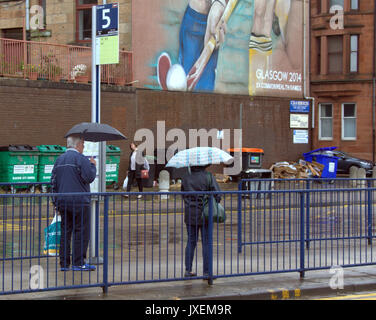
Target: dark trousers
pixel 74 222
pixel 131 177
pixel 193 231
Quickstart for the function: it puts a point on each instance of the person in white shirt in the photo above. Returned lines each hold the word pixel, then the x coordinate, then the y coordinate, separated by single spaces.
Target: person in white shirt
pixel 137 162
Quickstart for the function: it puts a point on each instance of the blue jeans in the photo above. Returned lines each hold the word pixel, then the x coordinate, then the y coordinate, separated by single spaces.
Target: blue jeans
pixel 191 44
pixel 193 231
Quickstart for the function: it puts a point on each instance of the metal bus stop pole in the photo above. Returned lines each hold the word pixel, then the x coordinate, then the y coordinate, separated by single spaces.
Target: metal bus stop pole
pixel 94 257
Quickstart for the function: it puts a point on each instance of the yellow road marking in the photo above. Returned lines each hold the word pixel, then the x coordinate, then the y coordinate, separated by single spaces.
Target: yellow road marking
pixel 285 294
pixel 10 227
pixel 370 296
pixel 14 226
pixel 273 295
pixel 110 216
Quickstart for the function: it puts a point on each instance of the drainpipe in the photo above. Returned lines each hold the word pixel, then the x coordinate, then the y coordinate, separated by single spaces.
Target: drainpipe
pixel 305 23
pixel 27 5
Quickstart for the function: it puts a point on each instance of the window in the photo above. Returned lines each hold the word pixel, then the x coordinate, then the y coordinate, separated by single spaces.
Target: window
pixel 318 44
pixel 354 53
pixel 15 33
pixel 326 121
pixel 336 3
pixel 354 5
pixel 83 19
pixel 335 49
pixel 349 121
pixel 318 6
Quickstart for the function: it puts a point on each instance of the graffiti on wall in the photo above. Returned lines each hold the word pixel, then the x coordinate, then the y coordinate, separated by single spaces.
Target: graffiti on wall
pixel 250 47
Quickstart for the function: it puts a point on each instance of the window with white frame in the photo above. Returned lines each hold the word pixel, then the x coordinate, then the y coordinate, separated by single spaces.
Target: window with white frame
pixel 354 53
pixel 349 121
pixel 326 121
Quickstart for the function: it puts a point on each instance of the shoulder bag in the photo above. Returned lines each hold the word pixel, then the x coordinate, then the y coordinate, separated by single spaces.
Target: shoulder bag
pixel 219 215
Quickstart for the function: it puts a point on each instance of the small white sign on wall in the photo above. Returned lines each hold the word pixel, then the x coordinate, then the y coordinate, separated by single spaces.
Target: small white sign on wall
pixel 299 121
pixel 300 136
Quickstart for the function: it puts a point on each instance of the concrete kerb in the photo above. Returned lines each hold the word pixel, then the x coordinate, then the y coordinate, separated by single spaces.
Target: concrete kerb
pixel 292 293
pixel 304 290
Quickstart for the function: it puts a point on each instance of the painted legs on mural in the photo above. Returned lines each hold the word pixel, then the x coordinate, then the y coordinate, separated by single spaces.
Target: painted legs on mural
pixel 198 52
pixel 191 44
pixel 269 15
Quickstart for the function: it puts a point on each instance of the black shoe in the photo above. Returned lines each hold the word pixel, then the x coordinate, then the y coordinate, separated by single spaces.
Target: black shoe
pixel 189 274
pixel 206 277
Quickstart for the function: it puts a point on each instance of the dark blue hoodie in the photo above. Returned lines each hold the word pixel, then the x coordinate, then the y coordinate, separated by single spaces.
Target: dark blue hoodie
pixel 72 172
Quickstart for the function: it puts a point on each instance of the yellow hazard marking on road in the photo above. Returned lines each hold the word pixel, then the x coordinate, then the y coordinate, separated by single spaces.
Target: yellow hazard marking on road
pixel 113 214
pixel 285 294
pixel 369 296
pixel 11 227
pixel 273 295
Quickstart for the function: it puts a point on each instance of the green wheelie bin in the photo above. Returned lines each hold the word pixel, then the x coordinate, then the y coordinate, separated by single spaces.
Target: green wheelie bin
pixel 47 157
pixel 19 163
pixel 112 166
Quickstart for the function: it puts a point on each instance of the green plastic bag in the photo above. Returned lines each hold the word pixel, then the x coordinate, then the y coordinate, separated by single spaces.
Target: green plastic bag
pixel 52 236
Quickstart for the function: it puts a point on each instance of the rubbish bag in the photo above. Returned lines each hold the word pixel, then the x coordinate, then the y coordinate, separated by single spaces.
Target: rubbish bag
pixel 52 236
pixel 125 183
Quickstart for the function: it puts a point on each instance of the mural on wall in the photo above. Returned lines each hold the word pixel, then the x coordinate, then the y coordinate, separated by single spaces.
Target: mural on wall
pixel 250 47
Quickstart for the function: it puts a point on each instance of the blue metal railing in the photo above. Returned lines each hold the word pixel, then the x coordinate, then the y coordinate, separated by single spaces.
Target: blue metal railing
pixel 290 226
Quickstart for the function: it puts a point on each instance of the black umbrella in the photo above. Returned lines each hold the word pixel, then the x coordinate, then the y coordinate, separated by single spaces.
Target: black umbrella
pixel 95 132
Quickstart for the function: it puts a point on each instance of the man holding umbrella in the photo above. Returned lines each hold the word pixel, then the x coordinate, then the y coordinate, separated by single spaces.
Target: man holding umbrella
pixel 72 173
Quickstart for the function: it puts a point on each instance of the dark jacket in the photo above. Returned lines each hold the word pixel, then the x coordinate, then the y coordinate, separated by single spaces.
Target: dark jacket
pixel 140 160
pixel 197 180
pixel 72 172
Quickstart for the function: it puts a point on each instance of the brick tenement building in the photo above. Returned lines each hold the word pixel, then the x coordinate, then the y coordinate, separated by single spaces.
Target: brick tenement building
pixel 64 22
pixel 343 75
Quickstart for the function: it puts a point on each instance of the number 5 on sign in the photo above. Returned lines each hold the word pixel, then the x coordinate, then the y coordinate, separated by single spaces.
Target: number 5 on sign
pixel 106 18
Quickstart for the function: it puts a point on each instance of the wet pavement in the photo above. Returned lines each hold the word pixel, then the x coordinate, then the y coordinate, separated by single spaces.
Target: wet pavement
pixel 259 287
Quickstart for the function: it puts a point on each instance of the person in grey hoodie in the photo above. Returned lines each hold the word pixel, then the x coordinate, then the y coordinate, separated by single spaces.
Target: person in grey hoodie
pixel 73 173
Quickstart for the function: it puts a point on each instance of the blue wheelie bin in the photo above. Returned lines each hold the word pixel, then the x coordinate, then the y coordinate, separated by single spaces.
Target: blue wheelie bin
pixel 330 162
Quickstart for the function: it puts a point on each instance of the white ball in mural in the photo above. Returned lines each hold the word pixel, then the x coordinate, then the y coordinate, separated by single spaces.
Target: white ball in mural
pixel 176 78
